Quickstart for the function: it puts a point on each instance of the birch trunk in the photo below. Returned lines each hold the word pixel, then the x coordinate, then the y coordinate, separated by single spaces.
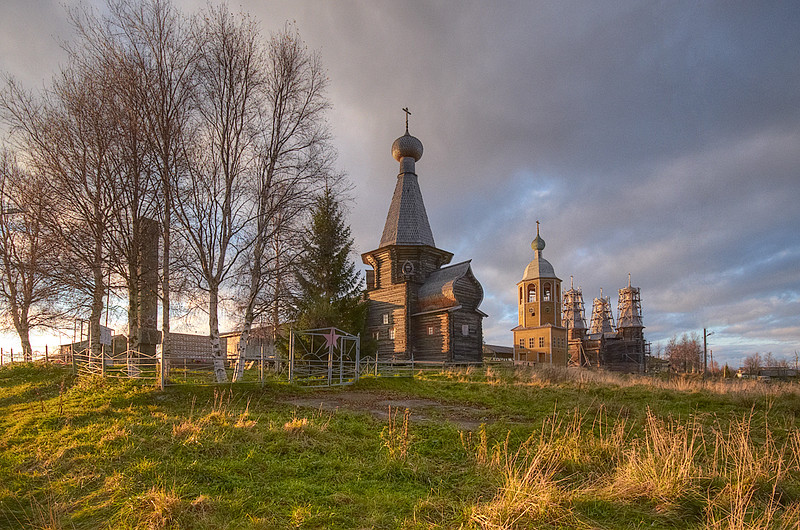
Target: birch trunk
pixel 241 357
pixel 255 282
pixel 213 324
pixel 95 353
pixel 166 346
pixel 24 338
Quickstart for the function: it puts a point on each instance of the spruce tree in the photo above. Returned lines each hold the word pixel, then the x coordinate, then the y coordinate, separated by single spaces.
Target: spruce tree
pixel 330 287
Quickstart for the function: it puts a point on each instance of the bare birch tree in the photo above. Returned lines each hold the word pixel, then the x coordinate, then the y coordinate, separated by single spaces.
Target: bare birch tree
pixel 212 205
pixel 30 295
pixel 151 49
pixel 294 158
pixel 67 136
pixel 164 51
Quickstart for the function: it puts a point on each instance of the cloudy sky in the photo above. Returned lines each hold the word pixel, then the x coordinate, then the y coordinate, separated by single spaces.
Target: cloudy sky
pixel 659 139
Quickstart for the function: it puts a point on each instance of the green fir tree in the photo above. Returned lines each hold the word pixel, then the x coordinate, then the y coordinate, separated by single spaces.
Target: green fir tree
pixel 330 287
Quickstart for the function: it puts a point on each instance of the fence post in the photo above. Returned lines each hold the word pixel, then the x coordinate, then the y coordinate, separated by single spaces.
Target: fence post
pixel 1 356
pixel 358 356
pixel 330 365
pixel 261 368
pixel 12 355
pixel 46 354
pixel 161 373
pixel 291 355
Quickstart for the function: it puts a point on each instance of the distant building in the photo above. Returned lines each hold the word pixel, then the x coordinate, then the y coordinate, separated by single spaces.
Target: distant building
pixel 540 337
pixel 768 372
pixel 492 352
pixel 552 329
pixel 620 347
pixel 419 308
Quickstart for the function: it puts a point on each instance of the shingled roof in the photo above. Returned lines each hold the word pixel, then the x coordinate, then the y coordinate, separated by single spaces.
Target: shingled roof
pixel 437 292
pixel 407 221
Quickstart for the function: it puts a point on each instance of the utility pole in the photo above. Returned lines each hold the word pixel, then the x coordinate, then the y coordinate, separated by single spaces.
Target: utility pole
pixel 706 334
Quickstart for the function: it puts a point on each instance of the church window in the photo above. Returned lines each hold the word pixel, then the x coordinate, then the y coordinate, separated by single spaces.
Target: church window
pixel 430 330
pixel 531 293
pixel 546 296
pixel 465 330
pixel 386 318
pixel 521 343
pixel 520 295
pixel 531 342
pixel 376 335
pixel 541 342
pixel 391 333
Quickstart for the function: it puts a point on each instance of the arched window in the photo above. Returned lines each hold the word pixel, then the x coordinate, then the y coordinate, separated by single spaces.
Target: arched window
pixel 520 295
pixel 531 293
pixel 546 296
pixel 558 291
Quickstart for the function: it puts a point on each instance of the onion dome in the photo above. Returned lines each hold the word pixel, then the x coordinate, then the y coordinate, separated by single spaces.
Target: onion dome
pixel 537 244
pixel 407 146
pixel 539 267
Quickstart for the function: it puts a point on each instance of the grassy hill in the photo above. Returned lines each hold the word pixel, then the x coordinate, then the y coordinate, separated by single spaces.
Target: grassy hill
pixel 491 448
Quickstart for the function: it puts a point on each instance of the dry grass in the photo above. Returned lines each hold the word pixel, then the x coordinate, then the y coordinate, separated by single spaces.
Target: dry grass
pixel 663 467
pixel 318 422
pixel 221 413
pixel 720 477
pixel 504 373
pixel 296 425
pixel 162 508
pixel 529 494
pixel 395 436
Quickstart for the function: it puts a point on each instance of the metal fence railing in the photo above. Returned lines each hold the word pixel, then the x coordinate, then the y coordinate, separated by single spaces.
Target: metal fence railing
pixel 128 364
pixel 324 357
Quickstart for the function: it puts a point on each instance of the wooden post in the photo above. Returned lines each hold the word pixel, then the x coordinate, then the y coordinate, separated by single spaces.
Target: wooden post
pixel 291 355
pixel 261 368
pixel 1 356
pixel 46 354
pixel 12 355
pixel 358 356
pixel 161 372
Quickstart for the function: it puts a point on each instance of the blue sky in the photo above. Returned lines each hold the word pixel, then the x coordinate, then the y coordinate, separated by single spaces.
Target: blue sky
pixel 660 139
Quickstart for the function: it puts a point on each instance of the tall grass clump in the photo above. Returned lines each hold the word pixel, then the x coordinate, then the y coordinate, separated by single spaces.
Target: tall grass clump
pixel 663 466
pixel 760 479
pixel 529 492
pixel 540 480
pixel 395 435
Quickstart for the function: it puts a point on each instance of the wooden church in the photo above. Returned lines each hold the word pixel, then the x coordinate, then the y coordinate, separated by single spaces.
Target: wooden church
pixel 419 308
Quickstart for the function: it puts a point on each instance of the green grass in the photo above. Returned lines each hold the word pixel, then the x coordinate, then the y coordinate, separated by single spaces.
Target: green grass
pixel 558 450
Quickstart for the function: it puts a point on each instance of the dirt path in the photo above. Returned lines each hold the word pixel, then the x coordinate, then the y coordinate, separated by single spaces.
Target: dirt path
pixel 378 403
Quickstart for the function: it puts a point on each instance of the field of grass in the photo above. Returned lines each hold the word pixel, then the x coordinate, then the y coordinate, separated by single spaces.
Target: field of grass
pixel 524 448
